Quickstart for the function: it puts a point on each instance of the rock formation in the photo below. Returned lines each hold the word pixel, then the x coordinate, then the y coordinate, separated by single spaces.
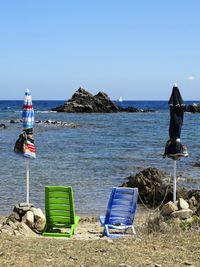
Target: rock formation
pixel 50 122
pixel 153 190
pixel 194 108
pixel 196 164
pixel 2 126
pixel 173 217
pixel 177 210
pixel 25 220
pixel 193 197
pixel 83 101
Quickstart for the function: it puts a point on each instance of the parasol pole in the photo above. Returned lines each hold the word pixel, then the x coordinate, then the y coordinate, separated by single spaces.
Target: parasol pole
pixel 174 183
pixel 27 180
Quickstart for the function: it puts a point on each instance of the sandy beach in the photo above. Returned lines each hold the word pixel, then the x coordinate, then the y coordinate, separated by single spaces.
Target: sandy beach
pixel 88 248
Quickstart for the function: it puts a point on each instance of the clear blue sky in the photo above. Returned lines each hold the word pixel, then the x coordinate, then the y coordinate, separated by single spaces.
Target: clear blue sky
pixel 134 49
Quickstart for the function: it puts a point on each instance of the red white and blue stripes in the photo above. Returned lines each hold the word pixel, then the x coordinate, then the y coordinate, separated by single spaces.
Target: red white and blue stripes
pixel 28 111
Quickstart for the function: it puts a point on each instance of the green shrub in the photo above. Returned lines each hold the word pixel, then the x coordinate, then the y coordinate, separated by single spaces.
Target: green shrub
pixel 187 225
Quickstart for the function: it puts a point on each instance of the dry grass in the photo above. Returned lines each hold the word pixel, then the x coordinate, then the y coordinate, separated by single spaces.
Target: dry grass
pixel 180 249
pixel 170 248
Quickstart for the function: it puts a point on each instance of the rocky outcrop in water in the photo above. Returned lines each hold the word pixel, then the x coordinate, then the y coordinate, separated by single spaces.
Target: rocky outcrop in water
pixel 194 108
pixel 83 101
pixel 58 123
pixel 2 126
pixel 196 164
pixel 50 123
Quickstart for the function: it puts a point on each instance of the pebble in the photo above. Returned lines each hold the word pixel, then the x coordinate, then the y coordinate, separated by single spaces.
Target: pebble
pixel 188 263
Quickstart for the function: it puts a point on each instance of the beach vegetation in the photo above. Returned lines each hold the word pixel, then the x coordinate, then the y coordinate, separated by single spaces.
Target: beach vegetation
pixel 192 223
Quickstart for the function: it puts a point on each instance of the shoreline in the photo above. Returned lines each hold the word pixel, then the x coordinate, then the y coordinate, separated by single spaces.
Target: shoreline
pixel 89 227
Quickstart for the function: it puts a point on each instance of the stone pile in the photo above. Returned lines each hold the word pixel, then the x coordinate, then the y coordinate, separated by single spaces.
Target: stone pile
pixel 180 209
pixel 174 216
pixel 25 220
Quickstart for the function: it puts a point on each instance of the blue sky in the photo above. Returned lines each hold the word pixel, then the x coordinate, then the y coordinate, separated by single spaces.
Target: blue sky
pixel 134 49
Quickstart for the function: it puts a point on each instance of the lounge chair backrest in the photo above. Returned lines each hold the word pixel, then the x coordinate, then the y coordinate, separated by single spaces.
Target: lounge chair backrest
pixel 59 205
pixel 121 206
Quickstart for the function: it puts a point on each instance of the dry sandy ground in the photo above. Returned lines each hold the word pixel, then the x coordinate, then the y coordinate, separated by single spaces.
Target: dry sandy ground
pixel 88 248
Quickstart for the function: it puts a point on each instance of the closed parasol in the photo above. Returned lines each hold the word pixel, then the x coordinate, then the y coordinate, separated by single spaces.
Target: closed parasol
pixel 25 143
pixel 174 149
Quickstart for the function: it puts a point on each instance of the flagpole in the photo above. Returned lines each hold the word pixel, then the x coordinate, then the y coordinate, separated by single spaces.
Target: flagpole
pixel 27 180
pixel 174 183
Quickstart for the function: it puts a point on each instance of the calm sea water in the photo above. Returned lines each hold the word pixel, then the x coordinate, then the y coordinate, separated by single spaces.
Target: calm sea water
pixel 99 153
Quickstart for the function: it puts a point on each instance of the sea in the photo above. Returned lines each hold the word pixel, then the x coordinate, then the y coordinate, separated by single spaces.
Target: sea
pixel 91 152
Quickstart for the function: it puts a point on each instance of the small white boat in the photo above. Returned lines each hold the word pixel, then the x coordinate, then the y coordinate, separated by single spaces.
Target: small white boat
pixel 120 99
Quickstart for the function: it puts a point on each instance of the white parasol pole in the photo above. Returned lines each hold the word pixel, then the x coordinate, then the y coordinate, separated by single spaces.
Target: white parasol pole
pixel 174 183
pixel 27 180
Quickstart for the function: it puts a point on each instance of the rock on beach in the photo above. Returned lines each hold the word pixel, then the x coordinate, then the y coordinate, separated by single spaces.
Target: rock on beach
pixel 155 191
pixel 25 220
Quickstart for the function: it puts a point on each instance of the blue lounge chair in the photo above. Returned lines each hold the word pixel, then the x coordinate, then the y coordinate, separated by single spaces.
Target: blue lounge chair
pixel 120 212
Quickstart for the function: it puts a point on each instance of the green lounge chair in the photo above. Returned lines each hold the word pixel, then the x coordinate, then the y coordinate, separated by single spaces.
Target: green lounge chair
pixel 60 216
